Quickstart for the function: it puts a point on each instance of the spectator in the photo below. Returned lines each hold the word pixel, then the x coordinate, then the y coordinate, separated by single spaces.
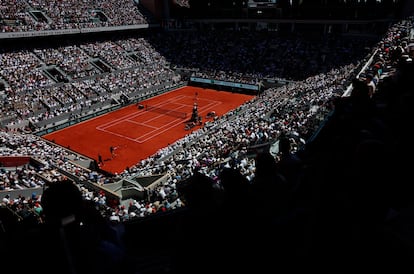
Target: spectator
pixel 75 237
pixel 289 164
pixel 371 85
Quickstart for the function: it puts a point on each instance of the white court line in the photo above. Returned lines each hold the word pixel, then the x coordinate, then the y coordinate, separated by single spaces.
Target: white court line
pixel 141 124
pixel 165 127
pixel 161 115
pixel 119 135
pixel 119 120
pixel 136 114
pixel 153 135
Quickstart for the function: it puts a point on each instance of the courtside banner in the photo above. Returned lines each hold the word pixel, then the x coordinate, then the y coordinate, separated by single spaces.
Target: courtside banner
pixel 224 83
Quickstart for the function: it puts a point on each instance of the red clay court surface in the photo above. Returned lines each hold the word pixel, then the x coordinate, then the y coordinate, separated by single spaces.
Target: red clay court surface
pixel 137 133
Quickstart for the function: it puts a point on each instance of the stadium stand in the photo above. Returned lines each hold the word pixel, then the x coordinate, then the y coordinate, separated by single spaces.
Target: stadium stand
pixel 221 204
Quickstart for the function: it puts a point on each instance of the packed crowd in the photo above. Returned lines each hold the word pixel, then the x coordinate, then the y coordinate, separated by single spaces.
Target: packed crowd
pixel 295 111
pixel 95 72
pixel 134 65
pixel 291 114
pixel 34 15
pixel 263 54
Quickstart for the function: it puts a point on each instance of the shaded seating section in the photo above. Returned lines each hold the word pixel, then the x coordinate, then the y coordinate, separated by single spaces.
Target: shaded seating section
pixel 39 15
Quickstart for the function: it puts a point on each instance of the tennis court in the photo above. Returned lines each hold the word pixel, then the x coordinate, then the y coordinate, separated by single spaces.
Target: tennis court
pixel 136 133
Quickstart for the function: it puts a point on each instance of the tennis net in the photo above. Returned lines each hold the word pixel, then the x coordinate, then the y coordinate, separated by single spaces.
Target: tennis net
pixel 169 112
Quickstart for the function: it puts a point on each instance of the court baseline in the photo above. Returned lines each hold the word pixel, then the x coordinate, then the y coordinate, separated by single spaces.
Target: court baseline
pixel 156 130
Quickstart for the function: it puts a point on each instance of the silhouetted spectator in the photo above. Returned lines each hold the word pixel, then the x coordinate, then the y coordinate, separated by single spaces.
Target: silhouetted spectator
pixel 198 227
pixel 236 187
pixel 289 164
pixel 75 237
pixel 269 187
